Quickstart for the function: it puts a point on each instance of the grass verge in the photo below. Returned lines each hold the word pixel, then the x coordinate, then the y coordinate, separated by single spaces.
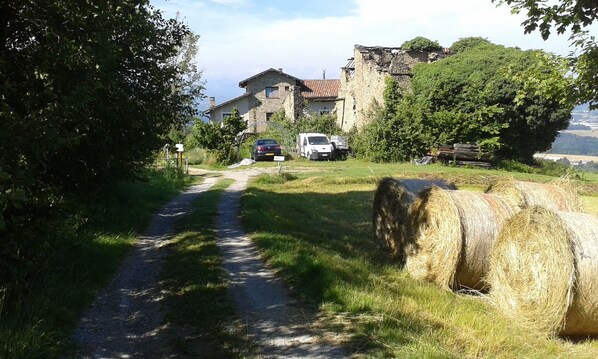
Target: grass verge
pixel 36 321
pixel 316 231
pixel 199 306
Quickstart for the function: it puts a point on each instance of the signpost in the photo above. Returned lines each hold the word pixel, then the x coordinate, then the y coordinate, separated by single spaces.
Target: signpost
pixel 280 160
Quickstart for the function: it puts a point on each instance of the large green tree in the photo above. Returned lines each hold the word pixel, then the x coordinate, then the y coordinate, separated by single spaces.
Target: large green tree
pixel 575 16
pixel 88 91
pixel 515 101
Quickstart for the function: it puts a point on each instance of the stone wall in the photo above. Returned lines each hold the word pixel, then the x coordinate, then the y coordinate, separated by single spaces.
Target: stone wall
pixel 260 106
pixel 362 80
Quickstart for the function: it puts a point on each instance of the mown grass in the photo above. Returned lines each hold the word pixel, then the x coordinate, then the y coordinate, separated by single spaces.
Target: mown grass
pixel 197 300
pixel 315 229
pixel 37 321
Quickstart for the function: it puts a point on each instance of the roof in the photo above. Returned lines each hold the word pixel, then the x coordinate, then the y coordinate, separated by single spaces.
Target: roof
pixel 320 89
pixel 227 102
pixel 244 82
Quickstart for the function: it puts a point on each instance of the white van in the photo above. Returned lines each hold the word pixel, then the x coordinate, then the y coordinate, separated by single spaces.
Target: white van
pixel 314 146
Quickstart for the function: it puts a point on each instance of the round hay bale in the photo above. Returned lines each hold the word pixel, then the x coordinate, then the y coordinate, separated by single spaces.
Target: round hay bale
pixel 391 203
pixel 453 233
pixel 556 196
pixel 544 271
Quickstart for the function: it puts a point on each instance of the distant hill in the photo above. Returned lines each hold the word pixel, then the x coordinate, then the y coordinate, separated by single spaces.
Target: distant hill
pixel 567 143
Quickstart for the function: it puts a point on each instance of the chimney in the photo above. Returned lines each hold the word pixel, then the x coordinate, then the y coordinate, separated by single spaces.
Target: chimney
pixel 280 69
pixel 323 74
pixel 212 102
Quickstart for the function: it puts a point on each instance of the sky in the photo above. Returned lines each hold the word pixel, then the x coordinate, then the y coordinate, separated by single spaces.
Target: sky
pixel 240 38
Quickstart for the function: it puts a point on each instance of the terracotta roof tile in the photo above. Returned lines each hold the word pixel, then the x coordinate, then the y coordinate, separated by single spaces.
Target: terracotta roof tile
pixel 320 89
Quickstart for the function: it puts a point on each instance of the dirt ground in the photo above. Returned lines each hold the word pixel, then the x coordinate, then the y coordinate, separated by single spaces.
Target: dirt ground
pixel 126 320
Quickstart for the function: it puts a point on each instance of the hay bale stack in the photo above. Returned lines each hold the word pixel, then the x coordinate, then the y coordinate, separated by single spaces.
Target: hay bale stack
pixel 556 196
pixel 453 234
pixel 391 203
pixel 544 271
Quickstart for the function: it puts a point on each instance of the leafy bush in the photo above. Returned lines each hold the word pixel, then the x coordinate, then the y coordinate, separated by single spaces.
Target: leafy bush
pixel 421 44
pixel 468 43
pixel 221 139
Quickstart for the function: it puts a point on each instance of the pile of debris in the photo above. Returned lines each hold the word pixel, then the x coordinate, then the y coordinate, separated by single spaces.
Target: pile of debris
pixel 464 154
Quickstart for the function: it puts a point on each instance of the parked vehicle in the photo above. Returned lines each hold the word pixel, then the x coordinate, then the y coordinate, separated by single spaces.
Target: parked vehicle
pixel 314 146
pixel 265 149
pixel 340 144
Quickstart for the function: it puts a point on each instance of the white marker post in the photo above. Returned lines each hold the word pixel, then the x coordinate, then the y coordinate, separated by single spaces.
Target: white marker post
pixel 280 160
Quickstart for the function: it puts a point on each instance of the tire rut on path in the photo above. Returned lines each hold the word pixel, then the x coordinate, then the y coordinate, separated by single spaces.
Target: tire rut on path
pixel 126 319
pixel 274 320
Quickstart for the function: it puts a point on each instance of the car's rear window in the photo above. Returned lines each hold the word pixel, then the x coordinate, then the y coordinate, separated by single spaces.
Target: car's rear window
pixel 266 142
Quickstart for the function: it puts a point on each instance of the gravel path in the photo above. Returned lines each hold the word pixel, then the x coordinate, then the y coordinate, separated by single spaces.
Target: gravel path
pixel 274 320
pixel 126 320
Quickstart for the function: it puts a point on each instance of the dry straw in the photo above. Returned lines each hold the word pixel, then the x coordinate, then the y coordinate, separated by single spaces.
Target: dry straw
pixel 544 271
pixel 557 196
pixel 391 204
pixel 453 233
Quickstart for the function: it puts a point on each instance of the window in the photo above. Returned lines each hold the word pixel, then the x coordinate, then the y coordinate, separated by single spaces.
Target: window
pixel 269 115
pixel 287 88
pixel 324 112
pixel 271 92
pixel 226 114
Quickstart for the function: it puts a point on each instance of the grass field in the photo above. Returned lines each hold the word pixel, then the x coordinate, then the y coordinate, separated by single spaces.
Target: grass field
pixel 314 226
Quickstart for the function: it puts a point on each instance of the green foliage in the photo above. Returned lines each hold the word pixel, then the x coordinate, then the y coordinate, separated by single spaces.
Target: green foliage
pixel 222 139
pixel 325 124
pixel 541 167
pixel 62 269
pixel 468 43
pixel 89 93
pixel 512 100
pixel 562 16
pixel 421 44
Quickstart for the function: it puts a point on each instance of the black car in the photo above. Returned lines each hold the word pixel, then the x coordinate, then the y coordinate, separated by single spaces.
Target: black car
pixel 263 149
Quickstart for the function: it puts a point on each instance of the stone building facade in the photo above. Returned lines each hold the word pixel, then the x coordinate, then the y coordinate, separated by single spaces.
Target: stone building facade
pixel 362 80
pixel 272 91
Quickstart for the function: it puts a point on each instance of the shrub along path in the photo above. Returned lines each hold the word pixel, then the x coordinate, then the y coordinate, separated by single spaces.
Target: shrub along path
pixel 277 323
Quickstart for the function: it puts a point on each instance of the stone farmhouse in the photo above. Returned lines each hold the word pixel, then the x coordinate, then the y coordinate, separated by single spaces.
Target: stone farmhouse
pixel 272 91
pixel 361 86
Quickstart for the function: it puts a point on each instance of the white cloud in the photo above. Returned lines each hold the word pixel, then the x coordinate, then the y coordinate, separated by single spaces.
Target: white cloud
pixel 237 44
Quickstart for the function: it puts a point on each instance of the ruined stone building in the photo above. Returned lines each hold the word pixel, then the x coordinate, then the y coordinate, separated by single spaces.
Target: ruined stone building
pixel 271 91
pixel 362 79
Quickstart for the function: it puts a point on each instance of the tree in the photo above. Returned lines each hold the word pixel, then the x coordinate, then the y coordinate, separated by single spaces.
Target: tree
pixel 88 92
pixel 222 139
pixel 512 100
pixel 567 15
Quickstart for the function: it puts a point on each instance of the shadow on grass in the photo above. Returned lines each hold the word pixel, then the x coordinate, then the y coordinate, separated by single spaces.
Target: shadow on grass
pixel 322 244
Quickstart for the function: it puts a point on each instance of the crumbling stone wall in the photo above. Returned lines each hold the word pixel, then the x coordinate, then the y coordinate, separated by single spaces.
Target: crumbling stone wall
pixel 362 80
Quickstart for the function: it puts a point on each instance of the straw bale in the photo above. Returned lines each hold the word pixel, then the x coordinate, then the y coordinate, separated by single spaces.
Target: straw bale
pixel 453 234
pixel 557 196
pixel 544 271
pixel 391 202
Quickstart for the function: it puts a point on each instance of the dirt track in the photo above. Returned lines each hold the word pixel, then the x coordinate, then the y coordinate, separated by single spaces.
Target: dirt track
pixel 126 320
